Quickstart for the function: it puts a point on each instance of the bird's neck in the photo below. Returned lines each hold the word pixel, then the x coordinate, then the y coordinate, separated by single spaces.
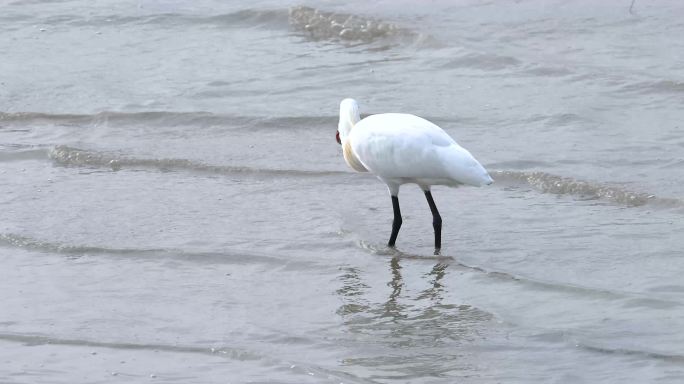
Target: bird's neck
pixel 350 157
pixel 346 124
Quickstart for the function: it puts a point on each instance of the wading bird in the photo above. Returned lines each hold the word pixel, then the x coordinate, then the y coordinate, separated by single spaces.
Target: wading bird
pixel 400 148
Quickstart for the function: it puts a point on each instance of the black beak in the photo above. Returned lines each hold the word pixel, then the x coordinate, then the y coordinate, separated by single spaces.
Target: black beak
pixel 337 137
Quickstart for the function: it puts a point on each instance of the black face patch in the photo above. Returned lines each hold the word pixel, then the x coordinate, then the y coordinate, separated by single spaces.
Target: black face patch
pixel 337 137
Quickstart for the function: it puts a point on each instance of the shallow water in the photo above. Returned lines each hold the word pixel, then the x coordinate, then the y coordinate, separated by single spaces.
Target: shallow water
pixel 175 207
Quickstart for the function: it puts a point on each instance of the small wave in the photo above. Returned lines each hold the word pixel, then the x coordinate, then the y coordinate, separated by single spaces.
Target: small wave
pixel 232 353
pixel 557 119
pixel 634 299
pixel 11 117
pixel 632 352
pixel 672 164
pixel 12 240
pixel 541 181
pixel 580 341
pixel 666 87
pixel 246 17
pixel 384 250
pixel 482 61
pixel 118 117
pixel 250 17
pixel 317 24
pixel 23 154
pixel 548 71
pixel 548 183
pixel 320 25
pixel 74 157
pixel 520 164
pixel 219 257
pixel 166 119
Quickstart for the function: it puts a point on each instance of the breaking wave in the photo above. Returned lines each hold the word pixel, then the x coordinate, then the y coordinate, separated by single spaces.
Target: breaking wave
pixel 320 25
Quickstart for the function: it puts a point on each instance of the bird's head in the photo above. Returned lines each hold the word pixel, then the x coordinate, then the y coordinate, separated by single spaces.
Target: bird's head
pixel 349 115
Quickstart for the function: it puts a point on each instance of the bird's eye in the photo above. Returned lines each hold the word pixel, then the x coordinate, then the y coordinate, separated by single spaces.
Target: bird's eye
pixel 337 137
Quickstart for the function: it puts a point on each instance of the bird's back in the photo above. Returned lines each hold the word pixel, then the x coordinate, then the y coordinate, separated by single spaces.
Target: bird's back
pixel 401 148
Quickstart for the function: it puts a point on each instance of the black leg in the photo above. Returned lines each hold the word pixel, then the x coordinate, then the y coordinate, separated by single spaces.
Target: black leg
pixel 396 223
pixel 436 221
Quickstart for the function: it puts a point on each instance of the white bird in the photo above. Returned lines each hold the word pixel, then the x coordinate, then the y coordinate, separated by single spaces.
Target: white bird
pixel 401 148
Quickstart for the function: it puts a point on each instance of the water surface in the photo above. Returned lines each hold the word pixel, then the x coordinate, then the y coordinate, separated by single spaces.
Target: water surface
pixel 174 207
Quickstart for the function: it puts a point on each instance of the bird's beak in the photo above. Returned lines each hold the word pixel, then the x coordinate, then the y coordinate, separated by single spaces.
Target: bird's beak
pixel 337 137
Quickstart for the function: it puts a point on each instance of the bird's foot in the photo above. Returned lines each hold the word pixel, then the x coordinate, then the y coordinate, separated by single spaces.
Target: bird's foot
pixel 438 252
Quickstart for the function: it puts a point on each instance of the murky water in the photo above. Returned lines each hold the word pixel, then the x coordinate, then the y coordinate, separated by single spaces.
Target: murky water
pixel 174 206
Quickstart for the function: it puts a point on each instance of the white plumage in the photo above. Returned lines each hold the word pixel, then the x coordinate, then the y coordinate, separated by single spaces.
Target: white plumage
pixel 401 148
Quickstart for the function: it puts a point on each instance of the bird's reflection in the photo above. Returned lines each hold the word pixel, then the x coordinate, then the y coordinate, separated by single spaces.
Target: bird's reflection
pixel 402 302
pixel 391 306
pixel 434 292
pixel 408 325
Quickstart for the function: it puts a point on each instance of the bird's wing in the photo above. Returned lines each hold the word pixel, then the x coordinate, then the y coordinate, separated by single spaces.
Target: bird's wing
pixel 401 145
pixel 407 147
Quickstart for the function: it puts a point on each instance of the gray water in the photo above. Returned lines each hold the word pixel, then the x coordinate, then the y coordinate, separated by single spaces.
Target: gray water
pixel 174 206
